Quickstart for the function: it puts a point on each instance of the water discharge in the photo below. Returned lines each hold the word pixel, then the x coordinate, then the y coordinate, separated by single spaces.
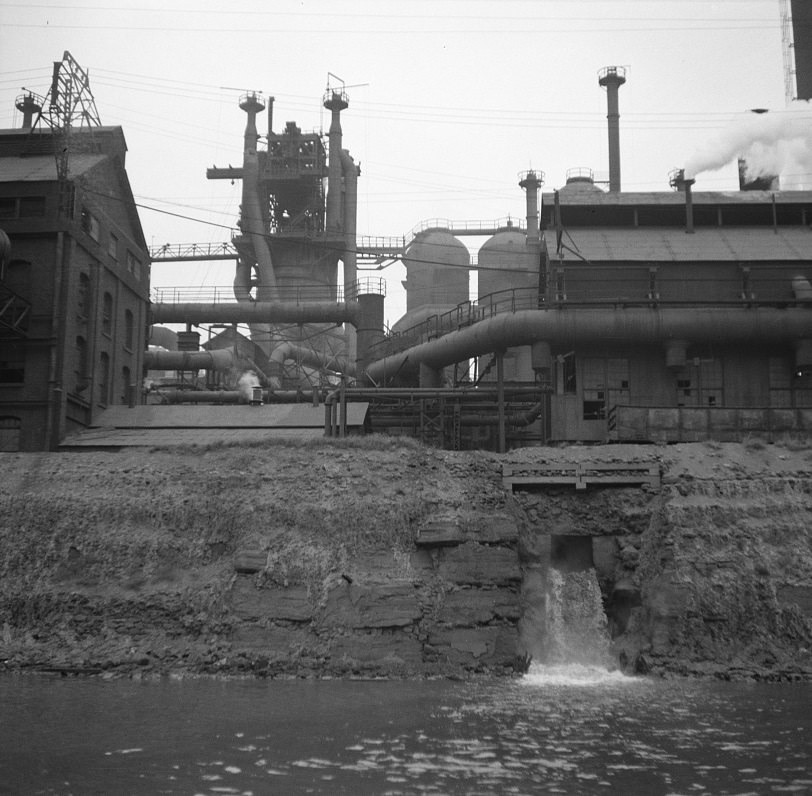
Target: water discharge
pixel 577 648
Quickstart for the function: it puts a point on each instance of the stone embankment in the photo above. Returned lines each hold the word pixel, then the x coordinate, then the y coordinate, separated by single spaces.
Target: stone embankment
pixel 378 557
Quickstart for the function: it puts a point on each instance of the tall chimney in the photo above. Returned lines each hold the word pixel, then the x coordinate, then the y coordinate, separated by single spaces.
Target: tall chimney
pixel 531 181
pixel 612 78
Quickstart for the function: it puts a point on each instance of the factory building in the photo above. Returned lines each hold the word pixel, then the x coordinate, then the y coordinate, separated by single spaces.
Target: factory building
pixel 74 279
pixel 671 315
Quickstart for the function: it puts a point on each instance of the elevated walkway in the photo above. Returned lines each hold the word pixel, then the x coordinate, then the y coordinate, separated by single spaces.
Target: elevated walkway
pixel 580 475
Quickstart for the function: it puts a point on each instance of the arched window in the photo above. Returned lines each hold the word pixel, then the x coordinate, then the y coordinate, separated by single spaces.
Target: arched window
pixel 9 434
pixel 80 364
pixel 83 297
pixel 107 314
pixel 129 329
pixel 104 378
pixel 125 385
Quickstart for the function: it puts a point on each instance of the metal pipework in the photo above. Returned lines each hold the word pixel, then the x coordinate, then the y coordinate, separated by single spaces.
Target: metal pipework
pixel 747 325
pixel 257 312
pixel 612 78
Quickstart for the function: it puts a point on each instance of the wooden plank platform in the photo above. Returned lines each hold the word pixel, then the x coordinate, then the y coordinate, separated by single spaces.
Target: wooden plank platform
pixel 580 475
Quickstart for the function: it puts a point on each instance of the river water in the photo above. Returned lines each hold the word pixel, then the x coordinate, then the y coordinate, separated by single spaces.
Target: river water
pixel 566 729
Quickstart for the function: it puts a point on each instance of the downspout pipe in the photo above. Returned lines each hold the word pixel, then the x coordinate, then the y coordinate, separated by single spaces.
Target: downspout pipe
pixel 335 102
pixel 257 312
pixel 743 325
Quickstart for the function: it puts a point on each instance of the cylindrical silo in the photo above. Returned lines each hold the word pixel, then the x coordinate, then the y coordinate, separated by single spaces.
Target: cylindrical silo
pixel 437 269
pixel 508 273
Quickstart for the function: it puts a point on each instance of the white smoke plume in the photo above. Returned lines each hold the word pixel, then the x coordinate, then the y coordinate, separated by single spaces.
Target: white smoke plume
pixel 247 382
pixel 773 143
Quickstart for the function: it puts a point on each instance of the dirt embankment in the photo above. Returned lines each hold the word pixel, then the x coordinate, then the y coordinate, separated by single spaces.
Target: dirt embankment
pixel 381 557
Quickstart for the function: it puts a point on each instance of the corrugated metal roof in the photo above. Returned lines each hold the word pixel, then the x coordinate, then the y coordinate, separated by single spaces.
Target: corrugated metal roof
pixel 42 168
pixel 150 438
pixel 652 244
pixel 642 198
pixel 153 426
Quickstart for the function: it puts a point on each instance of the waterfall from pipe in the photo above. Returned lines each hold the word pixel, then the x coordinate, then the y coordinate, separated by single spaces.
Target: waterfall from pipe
pixel 577 648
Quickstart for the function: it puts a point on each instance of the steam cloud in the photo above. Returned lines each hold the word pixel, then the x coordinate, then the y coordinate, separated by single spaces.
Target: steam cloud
pixel 246 382
pixel 773 143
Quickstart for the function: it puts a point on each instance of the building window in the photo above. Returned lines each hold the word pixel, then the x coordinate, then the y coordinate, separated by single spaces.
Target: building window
pixel 133 266
pixel 80 370
pixel 32 207
pixel 22 207
pixel 104 377
pixel 125 385
pixel 12 362
pixel 10 434
pixel 90 224
pixel 129 329
pixel 112 247
pixel 83 299
pixel 17 277
pixel 107 315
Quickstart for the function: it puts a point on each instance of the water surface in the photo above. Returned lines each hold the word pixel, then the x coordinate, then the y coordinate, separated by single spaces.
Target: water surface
pixel 558 730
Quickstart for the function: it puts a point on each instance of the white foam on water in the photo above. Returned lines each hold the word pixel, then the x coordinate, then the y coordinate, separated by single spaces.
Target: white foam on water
pixel 573 674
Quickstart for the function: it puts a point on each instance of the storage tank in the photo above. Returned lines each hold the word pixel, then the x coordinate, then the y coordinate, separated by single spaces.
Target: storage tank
pixel 437 269
pixel 508 273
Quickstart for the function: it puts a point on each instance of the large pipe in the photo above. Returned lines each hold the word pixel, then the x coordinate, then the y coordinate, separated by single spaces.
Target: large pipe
pixel 257 312
pixel 612 78
pixel 576 327
pixel 218 359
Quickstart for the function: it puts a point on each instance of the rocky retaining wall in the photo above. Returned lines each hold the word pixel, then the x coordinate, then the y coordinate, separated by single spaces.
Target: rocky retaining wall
pixel 399 560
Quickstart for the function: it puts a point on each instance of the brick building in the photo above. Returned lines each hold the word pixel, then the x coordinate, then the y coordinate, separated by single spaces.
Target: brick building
pixel 74 285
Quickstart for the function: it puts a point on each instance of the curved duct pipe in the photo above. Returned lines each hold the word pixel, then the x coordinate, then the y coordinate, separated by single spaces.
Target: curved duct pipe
pixel 258 312
pixel 350 172
pixel 219 359
pixel 572 327
pixel 306 356
pixel 242 281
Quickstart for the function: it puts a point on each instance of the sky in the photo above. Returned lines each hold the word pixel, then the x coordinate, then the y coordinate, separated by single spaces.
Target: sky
pixel 448 99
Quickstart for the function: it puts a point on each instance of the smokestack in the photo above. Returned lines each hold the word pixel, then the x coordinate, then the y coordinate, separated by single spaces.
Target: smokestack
pixel 531 181
pixel 612 78
pixel 679 182
pixel 30 105
pixel 335 102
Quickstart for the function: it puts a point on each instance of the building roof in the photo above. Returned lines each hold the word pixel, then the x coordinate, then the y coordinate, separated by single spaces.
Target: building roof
pixel 42 168
pixel 658 244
